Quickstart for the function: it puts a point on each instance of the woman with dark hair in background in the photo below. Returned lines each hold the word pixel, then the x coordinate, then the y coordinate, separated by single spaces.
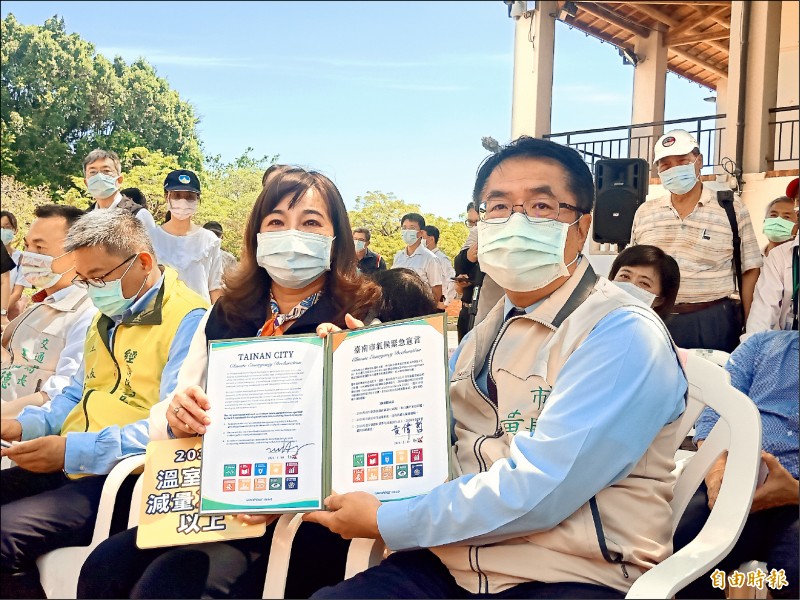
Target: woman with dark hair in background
pixel 405 295
pixel 297 270
pixel 649 269
pixel 16 282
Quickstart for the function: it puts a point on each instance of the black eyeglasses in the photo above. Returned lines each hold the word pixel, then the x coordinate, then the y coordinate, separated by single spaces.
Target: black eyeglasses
pixel 499 210
pixel 99 282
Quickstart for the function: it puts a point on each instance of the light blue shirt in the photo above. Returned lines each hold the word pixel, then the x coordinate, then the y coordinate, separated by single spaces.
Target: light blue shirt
pixel 614 394
pixel 765 368
pixel 97 452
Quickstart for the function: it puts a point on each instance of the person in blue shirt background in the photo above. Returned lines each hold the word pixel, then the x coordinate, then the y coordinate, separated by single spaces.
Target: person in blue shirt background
pixel 134 349
pixel 765 368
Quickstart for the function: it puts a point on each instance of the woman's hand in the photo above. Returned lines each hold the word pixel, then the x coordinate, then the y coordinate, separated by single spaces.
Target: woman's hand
pixel 323 329
pixel 256 519
pixel 186 413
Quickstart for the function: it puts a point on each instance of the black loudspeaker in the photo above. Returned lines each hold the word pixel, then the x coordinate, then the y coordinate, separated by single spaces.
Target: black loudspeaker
pixel 621 185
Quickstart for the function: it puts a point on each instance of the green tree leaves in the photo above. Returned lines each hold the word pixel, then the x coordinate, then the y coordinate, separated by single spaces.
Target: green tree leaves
pixel 59 99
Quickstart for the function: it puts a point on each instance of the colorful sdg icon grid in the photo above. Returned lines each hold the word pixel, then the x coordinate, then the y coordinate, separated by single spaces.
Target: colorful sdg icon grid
pixel 260 477
pixel 379 466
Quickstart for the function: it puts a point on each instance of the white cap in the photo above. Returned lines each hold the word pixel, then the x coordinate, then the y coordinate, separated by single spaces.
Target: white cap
pixel 674 143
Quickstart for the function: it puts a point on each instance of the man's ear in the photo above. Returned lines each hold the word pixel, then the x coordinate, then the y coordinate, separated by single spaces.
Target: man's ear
pixel 147 260
pixel 584 225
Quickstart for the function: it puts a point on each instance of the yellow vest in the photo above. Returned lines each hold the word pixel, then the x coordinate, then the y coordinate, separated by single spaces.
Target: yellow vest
pixel 120 386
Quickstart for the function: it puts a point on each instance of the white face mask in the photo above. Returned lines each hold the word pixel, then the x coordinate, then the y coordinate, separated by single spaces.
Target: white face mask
pixel 634 290
pixel 102 186
pixel 181 209
pixel 37 269
pixel 523 256
pixel 409 236
pixel 294 258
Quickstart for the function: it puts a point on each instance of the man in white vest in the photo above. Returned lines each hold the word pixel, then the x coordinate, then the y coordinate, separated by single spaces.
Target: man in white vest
pixel 43 347
pixel 565 400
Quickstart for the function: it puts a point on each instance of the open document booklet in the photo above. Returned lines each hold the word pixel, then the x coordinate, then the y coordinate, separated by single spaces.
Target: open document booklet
pixel 296 417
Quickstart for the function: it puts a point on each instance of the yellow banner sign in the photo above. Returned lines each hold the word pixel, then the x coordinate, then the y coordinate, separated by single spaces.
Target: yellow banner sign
pixel 169 514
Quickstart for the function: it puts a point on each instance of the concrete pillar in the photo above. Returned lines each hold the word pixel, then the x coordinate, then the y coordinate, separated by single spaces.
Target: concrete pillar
pixel 532 96
pixel 649 91
pixel 719 138
pixel 760 87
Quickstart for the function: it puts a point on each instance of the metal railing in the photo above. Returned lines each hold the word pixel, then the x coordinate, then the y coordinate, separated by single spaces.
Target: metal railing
pixel 785 126
pixel 636 141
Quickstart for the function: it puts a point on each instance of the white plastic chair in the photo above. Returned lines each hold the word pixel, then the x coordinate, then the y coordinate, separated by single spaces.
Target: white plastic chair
pixel 362 554
pixel 59 569
pixel 739 432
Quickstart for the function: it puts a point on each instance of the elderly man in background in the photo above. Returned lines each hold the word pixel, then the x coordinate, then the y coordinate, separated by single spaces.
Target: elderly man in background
pixel 692 224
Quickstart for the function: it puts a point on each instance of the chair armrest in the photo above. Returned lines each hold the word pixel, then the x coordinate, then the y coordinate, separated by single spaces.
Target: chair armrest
pixel 108 498
pixel 279 555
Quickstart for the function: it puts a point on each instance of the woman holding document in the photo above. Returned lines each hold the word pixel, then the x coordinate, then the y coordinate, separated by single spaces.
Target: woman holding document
pixel 297 270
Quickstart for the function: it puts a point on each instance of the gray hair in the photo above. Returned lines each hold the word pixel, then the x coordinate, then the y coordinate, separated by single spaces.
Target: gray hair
pixel 778 200
pixel 116 230
pixel 100 154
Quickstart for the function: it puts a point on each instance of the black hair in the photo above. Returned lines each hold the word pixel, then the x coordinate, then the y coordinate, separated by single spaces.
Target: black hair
pixel 665 266
pixel 11 218
pixel 136 195
pixel 215 227
pixel 579 177
pixel 404 295
pixel 69 213
pixel 471 206
pixel 433 232
pixel 414 218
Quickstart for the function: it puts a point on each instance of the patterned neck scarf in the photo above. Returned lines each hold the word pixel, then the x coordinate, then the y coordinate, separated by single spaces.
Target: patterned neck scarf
pixel 274 323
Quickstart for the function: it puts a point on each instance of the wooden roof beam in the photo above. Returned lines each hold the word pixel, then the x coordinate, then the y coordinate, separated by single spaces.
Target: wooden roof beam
pixel 670 21
pixel 639 2
pixel 699 62
pixel 707 16
pixel 610 16
pixel 678 40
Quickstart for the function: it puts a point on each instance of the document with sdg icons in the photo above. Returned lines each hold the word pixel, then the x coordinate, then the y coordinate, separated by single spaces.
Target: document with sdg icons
pixel 296 417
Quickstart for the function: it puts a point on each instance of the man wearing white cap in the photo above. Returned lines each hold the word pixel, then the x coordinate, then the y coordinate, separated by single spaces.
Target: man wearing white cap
pixel 692 225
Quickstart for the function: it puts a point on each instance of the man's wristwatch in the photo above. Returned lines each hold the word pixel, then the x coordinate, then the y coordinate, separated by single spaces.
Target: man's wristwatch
pixel 3 312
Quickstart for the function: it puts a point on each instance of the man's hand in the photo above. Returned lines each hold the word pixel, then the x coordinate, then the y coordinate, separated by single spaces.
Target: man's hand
pixel 352 515
pixel 461 283
pixel 10 430
pixel 714 479
pixel 42 455
pixel 780 488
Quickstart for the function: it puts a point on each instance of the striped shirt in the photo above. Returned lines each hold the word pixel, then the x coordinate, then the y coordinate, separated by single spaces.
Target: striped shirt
pixel 701 244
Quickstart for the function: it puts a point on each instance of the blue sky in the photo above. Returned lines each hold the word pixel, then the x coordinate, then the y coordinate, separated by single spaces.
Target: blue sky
pixel 390 96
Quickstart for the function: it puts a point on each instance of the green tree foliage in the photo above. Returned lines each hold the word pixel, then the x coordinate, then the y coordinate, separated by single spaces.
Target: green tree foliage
pixel 21 201
pixel 229 192
pixel 381 214
pixel 59 99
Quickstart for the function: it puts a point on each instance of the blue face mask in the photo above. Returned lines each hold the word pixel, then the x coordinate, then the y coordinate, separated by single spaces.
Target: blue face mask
pixel 294 258
pixel 6 235
pixel 778 229
pixel 523 255
pixel 409 236
pixel 679 180
pixel 109 299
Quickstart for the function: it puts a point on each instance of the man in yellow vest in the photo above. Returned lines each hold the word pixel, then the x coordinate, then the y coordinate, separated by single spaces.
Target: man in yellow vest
pixel 565 400
pixel 133 351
